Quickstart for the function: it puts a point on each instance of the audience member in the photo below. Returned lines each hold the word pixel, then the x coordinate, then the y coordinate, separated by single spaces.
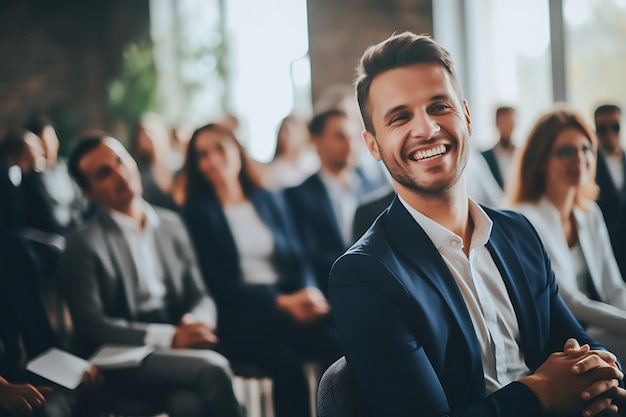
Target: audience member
pixel 62 193
pixel 151 148
pixel 611 177
pixel 294 159
pixel 445 307
pixel 324 204
pixel 271 313
pixel 482 187
pixel 130 277
pixel 500 157
pixel 26 212
pixel 25 332
pixel 341 97
pixel 554 187
pixel 24 159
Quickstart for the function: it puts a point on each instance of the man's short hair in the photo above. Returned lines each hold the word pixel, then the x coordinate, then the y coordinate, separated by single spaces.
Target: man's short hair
pixel 84 145
pixel 37 122
pixel 607 108
pixel 318 123
pixel 13 145
pixel 397 51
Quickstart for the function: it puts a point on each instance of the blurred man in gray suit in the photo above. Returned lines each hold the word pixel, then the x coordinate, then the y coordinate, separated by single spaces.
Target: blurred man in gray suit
pixel 130 277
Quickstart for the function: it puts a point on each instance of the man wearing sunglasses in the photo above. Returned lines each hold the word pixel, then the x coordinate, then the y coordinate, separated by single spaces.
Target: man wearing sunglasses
pixel 611 177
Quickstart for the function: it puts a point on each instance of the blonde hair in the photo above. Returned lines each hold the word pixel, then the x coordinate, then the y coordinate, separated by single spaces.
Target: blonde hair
pixel 528 184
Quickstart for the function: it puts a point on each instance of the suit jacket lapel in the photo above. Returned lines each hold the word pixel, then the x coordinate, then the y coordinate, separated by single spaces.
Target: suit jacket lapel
pixel 122 259
pixel 415 246
pixel 622 191
pixel 521 298
pixel 320 198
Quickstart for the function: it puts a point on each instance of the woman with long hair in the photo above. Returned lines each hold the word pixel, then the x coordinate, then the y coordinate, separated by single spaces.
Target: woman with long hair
pixel 271 313
pixel 554 186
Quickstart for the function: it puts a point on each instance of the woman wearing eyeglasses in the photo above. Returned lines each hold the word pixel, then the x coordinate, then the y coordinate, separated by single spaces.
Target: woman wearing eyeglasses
pixel 554 187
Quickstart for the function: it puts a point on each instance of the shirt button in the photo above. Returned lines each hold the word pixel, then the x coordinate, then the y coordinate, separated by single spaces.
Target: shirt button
pixel 455 243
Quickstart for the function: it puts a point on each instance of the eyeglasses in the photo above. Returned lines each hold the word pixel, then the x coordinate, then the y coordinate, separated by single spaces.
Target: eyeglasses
pixel 603 129
pixel 570 153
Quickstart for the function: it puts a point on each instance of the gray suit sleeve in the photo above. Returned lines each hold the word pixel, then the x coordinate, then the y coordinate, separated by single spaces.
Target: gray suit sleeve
pixel 202 305
pixel 92 292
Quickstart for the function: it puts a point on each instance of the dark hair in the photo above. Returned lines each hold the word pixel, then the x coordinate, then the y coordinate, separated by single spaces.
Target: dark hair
pixel 397 51
pixel 503 110
pixel 84 145
pixel 197 184
pixel 12 145
pixel 318 123
pixel 607 108
pixel 280 134
pixel 37 122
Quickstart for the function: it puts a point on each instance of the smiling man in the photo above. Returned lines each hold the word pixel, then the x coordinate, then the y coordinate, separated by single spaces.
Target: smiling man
pixel 460 299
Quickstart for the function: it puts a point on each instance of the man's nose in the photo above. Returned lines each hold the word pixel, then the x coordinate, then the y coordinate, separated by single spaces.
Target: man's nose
pixel 423 126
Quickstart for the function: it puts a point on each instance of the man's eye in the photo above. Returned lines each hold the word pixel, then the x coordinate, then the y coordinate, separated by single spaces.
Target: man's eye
pixel 399 118
pixel 440 107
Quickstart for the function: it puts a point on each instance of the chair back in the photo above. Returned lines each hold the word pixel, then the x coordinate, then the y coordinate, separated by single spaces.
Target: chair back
pixel 336 394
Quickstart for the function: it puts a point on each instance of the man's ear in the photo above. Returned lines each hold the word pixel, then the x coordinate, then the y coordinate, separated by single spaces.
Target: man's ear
pixel 372 145
pixel 468 118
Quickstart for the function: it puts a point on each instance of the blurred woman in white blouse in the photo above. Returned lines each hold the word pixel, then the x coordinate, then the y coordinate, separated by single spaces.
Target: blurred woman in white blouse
pixel 554 187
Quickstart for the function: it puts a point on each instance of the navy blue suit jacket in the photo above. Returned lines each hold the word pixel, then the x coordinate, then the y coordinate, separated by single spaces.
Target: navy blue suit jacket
pixel 24 326
pixel 245 310
pixel 407 334
pixel 492 162
pixel 612 202
pixel 317 225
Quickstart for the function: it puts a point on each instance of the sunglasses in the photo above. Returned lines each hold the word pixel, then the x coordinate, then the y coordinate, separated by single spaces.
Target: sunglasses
pixel 604 128
pixel 570 153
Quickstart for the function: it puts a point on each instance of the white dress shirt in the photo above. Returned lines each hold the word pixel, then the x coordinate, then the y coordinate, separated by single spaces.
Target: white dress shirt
pixel 485 296
pixel 616 169
pixel 505 159
pixel 343 199
pixel 151 286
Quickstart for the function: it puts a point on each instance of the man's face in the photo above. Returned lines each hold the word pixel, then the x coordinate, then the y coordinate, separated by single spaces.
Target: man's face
pixel 112 175
pixel 422 128
pixel 607 128
pixel 506 124
pixel 336 146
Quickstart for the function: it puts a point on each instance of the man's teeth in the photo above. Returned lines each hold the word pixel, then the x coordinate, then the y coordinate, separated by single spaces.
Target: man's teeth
pixel 430 153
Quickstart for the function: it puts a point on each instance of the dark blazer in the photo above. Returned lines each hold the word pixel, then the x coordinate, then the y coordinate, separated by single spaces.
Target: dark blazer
pixel 370 209
pixel 612 202
pixel 98 279
pixel 24 326
pixel 245 310
pixel 317 224
pixel 407 334
pixel 492 161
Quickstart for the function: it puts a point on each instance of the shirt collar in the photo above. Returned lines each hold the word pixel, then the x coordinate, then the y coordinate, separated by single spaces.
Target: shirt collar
pixel 440 236
pixel 127 222
pixel 331 181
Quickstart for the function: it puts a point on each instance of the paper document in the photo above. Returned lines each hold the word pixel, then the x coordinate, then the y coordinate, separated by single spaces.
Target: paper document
pixel 60 367
pixel 110 357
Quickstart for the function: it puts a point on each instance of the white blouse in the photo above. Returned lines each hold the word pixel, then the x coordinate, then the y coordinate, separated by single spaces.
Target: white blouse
pixel 254 242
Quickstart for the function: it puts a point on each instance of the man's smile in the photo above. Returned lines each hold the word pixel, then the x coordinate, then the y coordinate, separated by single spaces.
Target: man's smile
pixel 422 155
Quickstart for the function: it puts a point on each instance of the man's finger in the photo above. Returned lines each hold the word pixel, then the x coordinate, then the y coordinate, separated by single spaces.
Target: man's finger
pixel 44 389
